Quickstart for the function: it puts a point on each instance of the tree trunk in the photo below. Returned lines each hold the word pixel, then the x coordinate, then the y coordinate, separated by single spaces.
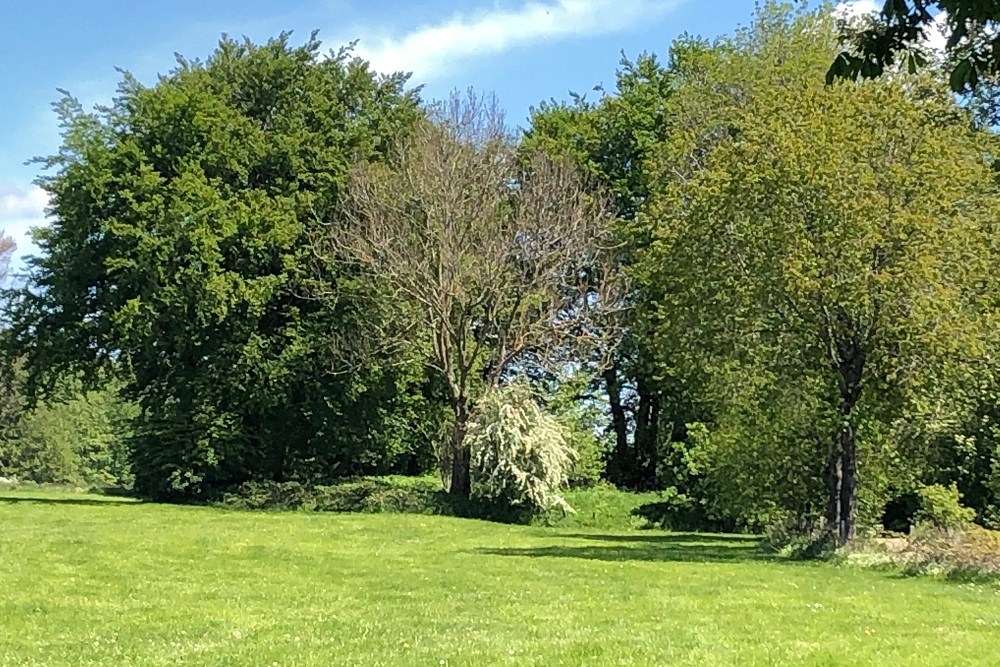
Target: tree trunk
pixel 618 461
pixel 461 455
pixel 461 472
pixel 646 423
pixel 848 486
pixel 849 370
pixel 834 476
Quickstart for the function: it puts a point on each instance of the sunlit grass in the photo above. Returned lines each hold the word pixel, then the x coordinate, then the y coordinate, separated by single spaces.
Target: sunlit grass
pixel 87 580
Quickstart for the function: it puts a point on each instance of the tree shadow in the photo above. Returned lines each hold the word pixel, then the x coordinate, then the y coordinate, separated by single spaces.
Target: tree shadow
pixel 91 502
pixel 668 547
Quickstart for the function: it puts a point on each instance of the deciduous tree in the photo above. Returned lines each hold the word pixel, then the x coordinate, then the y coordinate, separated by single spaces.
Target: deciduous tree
pixel 808 246
pixel 505 263
pixel 897 38
pixel 179 253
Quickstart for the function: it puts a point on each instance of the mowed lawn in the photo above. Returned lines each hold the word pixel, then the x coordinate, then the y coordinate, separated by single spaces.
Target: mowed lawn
pixel 86 580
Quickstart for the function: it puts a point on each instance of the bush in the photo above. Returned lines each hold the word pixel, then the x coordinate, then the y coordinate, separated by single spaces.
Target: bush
pixel 940 507
pixel 673 510
pixel 520 455
pixel 602 507
pixel 972 551
pixel 800 538
pixel 368 495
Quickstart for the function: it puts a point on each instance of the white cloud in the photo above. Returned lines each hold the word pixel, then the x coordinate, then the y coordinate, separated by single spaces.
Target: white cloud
pixel 935 34
pixel 432 50
pixel 855 9
pixel 18 202
pixel 21 209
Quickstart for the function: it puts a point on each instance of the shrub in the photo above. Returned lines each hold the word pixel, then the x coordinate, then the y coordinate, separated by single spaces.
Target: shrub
pixel 800 537
pixel 675 511
pixel 600 507
pixel 402 495
pixel 940 507
pixel 972 551
pixel 574 406
pixel 520 454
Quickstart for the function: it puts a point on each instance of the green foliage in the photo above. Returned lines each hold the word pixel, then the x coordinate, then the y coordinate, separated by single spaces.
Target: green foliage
pixel 941 507
pixel 675 511
pixel 368 495
pixel 611 140
pixel 809 314
pixel 181 250
pixel 892 41
pixel 520 454
pixel 968 453
pixel 78 438
pixel 584 425
pixel 599 507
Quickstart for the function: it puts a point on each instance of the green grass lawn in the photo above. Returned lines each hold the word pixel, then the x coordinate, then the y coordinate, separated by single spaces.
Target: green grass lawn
pixel 86 580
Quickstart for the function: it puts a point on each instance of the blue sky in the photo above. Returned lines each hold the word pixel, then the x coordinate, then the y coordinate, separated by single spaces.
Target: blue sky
pixel 525 51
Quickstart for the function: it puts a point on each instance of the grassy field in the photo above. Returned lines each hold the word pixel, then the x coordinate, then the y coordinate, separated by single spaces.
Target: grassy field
pixel 87 580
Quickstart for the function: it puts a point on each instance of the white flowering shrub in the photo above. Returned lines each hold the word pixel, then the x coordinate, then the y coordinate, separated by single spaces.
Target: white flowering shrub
pixel 520 453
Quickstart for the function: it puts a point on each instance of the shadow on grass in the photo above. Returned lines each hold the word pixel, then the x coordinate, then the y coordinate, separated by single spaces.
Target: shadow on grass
pixel 93 502
pixel 668 547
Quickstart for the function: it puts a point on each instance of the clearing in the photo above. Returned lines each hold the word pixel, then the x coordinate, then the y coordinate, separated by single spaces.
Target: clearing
pixel 89 580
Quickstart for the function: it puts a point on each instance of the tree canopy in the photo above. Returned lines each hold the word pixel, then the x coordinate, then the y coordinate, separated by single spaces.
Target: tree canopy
pixel 771 298
pixel 507 263
pixel 179 257
pixel 821 313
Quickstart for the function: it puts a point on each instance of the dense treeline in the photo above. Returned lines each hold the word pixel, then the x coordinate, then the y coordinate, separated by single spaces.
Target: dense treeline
pixel 773 296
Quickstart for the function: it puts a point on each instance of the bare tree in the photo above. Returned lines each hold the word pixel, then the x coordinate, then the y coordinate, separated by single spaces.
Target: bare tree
pixel 504 258
pixel 7 247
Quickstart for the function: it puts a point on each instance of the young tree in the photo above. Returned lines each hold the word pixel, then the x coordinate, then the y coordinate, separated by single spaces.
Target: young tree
pixel 869 299
pixel 504 264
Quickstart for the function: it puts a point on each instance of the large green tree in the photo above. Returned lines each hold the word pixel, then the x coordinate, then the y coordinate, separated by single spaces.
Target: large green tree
pixel 180 256
pixel 814 268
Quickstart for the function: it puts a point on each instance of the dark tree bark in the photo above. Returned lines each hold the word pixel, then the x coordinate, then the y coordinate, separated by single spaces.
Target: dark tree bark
pixel 646 432
pixel 851 355
pixel 618 469
pixel 834 475
pixel 461 455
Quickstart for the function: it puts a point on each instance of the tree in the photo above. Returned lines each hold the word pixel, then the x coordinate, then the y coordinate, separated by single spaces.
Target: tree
pixel 504 263
pixel 897 36
pixel 180 257
pixel 856 308
pixel 611 140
